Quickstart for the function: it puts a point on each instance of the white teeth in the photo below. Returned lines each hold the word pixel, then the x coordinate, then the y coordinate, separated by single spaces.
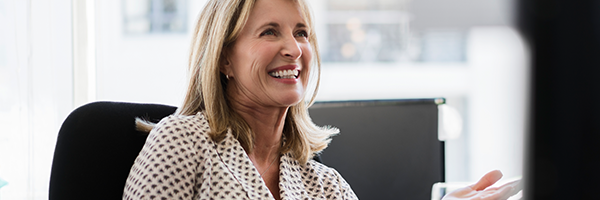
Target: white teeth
pixel 285 73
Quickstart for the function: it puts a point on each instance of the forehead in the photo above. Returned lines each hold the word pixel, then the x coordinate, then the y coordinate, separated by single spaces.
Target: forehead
pixel 265 11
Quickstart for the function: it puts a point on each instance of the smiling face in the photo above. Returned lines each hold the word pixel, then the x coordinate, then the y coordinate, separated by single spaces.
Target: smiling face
pixel 268 64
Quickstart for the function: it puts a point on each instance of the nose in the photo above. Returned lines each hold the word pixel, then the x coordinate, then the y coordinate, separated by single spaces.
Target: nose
pixel 291 48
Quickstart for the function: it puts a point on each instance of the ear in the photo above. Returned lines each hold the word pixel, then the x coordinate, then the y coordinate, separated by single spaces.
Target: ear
pixel 225 64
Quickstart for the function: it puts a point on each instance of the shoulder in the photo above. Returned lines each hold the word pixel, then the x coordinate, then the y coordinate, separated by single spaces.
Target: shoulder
pixel 170 159
pixel 183 122
pixel 181 131
pixel 182 125
pixel 321 170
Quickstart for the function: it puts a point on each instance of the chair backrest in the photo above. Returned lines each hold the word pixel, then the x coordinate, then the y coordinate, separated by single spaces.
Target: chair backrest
pixel 96 147
pixel 386 149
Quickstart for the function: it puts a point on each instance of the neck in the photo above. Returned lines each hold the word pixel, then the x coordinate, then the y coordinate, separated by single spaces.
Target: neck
pixel 267 125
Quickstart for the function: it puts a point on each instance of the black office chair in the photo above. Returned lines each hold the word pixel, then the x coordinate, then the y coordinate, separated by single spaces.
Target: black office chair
pixel 96 147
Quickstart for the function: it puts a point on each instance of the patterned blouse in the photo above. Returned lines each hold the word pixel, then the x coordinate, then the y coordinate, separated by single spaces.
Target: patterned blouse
pixel 180 161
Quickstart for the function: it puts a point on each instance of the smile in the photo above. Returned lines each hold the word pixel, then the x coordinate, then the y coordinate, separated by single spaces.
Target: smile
pixel 290 73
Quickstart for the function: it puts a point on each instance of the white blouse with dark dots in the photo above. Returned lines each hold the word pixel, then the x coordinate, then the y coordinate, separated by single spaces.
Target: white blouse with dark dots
pixel 180 161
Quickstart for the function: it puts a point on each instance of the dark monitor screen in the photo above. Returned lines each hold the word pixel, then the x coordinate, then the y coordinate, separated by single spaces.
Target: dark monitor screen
pixel 386 149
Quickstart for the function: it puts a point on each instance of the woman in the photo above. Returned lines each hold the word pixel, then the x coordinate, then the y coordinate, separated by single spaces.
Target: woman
pixel 243 131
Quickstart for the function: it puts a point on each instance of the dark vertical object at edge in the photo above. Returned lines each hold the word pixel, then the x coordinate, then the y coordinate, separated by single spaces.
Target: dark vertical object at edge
pixel 563 145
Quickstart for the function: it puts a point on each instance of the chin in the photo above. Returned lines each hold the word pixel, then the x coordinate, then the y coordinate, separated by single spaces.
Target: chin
pixel 290 100
pixel 290 103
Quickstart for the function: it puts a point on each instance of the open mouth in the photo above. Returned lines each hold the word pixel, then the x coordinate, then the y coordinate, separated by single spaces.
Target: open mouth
pixel 289 73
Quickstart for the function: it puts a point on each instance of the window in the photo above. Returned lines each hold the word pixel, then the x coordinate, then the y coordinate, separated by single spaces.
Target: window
pixel 35 92
pixel 367 31
pixel 381 31
pixel 154 16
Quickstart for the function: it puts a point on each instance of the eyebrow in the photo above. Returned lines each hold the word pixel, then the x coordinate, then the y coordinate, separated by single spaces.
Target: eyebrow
pixel 301 25
pixel 275 24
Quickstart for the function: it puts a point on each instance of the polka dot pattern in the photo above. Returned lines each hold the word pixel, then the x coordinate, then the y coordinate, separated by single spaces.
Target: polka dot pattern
pixel 180 161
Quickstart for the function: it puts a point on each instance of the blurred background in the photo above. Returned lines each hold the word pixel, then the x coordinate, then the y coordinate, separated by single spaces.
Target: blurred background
pixel 56 55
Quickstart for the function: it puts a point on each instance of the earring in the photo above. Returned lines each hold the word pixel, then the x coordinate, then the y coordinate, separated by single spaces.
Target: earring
pixel 227 76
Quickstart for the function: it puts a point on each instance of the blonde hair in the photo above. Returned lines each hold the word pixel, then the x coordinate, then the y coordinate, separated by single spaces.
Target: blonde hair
pixel 218 27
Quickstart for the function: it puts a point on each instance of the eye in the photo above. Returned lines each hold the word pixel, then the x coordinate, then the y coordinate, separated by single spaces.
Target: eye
pixel 301 34
pixel 268 32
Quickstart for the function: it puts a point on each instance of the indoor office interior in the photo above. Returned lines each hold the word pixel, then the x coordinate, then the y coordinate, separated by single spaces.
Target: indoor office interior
pixel 57 55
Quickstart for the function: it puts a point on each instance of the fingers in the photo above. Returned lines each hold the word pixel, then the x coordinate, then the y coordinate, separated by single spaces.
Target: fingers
pixel 517 184
pixel 487 180
pixel 507 190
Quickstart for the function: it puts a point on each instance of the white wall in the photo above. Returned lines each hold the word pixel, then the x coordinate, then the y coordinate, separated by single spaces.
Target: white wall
pixel 497 101
pixel 147 68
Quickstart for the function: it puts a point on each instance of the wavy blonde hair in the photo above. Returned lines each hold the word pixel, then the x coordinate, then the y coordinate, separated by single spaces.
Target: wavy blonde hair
pixel 217 29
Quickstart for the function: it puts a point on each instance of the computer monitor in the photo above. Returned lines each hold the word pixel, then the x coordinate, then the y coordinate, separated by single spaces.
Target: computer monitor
pixel 386 149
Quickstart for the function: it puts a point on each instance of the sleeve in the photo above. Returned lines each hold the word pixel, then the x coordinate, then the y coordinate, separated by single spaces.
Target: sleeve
pixel 166 166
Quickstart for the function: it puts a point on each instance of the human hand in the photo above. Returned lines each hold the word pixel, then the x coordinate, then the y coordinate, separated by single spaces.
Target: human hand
pixel 482 190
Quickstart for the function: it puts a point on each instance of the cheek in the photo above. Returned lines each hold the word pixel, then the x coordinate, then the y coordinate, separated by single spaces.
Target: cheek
pixel 256 59
pixel 247 61
pixel 307 54
pixel 306 62
pixel 259 56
